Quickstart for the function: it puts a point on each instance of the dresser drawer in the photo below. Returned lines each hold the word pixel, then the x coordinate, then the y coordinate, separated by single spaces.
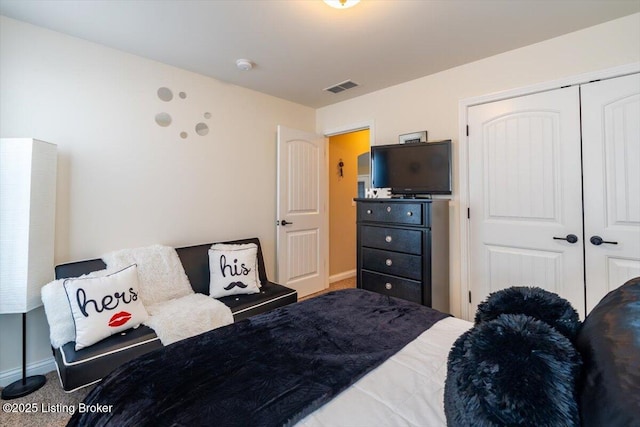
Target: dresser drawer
pixel 392 286
pixel 396 213
pixel 395 263
pixel 393 239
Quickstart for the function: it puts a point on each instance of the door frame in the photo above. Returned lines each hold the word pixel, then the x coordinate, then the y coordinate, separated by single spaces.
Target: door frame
pixel 354 127
pixel 341 130
pixel 463 154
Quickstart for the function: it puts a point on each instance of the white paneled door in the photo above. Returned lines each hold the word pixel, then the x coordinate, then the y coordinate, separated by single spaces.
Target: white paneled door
pixel 540 165
pixel 525 190
pixel 611 155
pixel 302 218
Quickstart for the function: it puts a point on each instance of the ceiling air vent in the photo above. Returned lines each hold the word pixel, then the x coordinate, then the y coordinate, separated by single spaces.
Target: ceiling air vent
pixel 341 86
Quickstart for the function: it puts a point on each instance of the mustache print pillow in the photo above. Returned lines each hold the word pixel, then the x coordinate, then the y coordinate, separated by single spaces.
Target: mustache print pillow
pixel 103 306
pixel 234 269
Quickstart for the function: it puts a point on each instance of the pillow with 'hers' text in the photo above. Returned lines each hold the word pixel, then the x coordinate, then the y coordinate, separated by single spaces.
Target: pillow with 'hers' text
pixel 103 306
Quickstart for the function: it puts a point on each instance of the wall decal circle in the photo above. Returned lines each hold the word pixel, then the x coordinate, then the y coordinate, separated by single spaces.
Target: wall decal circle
pixel 202 129
pixel 163 119
pixel 165 94
pixel 183 135
pixel 207 115
pixel 182 95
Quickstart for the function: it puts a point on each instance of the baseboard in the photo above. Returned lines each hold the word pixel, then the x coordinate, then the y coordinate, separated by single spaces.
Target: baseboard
pixel 40 367
pixel 342 276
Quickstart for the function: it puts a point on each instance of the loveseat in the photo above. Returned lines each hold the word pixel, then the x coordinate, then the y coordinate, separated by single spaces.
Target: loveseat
pixel 79 368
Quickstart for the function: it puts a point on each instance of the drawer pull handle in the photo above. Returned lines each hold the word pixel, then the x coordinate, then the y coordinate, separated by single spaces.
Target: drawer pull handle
pixel 388 262
pixel 388 239
pixel 388 208
pixel 409 213
pixel 388 285
pixel 369 211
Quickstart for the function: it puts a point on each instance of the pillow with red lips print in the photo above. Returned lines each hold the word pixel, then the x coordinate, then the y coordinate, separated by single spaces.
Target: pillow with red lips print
pixel 103 306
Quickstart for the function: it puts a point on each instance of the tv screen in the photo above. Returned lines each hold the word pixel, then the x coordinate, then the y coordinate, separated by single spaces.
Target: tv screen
pixel 412 169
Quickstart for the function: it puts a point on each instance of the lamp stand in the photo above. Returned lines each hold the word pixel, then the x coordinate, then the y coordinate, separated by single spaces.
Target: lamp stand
pixel 26 385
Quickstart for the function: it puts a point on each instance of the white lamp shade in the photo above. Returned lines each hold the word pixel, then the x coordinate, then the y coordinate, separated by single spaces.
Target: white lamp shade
pixel 27 221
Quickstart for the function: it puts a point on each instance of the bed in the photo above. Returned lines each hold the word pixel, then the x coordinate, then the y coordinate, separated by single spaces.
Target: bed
pixel 346 358
pixel 356 358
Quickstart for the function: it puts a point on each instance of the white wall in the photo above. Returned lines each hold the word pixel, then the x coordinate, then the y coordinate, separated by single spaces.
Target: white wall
pixel 431 103
pixel 124 181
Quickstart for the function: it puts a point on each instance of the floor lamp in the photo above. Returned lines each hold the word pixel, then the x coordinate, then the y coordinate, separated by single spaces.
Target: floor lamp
pixel 27 228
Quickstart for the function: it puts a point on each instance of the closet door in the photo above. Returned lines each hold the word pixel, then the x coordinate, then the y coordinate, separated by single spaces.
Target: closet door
pixel 525 193
pixel 611 156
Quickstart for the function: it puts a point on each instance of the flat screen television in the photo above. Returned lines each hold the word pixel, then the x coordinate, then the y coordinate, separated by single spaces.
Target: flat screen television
pixel 415 169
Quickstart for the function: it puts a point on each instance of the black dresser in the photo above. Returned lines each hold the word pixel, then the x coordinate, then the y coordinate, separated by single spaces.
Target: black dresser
pixel 403 249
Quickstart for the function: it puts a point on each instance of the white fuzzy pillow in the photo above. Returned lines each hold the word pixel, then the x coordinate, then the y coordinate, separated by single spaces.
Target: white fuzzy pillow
pixel 103 306
pixel 56 306
pixel 160 272
pixel 234 269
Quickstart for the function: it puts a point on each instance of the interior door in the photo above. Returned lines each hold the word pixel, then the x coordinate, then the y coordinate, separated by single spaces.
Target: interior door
pixel 302 216
pixel 525 226
pixel 611 156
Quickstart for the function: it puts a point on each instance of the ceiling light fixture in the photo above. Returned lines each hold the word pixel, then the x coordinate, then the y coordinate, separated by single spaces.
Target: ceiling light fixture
pixel 244 64
pixel 342 4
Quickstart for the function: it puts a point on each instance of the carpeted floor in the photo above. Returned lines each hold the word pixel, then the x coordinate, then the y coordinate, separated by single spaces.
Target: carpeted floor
pixel 52 407
pixel 49 406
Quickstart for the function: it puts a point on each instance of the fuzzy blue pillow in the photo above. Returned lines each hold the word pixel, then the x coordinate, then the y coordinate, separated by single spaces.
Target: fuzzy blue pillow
pixel 535 302
pixel 514 370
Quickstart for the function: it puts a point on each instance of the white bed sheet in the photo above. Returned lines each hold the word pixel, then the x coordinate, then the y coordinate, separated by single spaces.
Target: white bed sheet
pixel 406 390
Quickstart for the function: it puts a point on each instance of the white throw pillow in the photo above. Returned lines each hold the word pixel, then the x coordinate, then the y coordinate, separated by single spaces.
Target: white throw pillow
pixel 103 306
pixel 160 273
pixel 234 269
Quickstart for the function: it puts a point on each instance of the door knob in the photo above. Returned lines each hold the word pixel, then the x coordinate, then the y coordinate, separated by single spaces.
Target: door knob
pixel 597 240
pixel 285 222
pixel 571 238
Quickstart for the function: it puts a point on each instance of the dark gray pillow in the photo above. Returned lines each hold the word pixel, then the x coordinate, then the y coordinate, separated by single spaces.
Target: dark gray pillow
pixel 609 342
pixel 536 302
pixel 512 371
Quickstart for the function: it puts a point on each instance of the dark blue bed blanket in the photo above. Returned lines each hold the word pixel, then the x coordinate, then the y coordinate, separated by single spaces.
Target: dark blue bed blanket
pixel 269 370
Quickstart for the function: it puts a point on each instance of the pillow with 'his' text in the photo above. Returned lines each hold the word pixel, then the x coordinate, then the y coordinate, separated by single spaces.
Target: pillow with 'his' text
pixel 234 269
